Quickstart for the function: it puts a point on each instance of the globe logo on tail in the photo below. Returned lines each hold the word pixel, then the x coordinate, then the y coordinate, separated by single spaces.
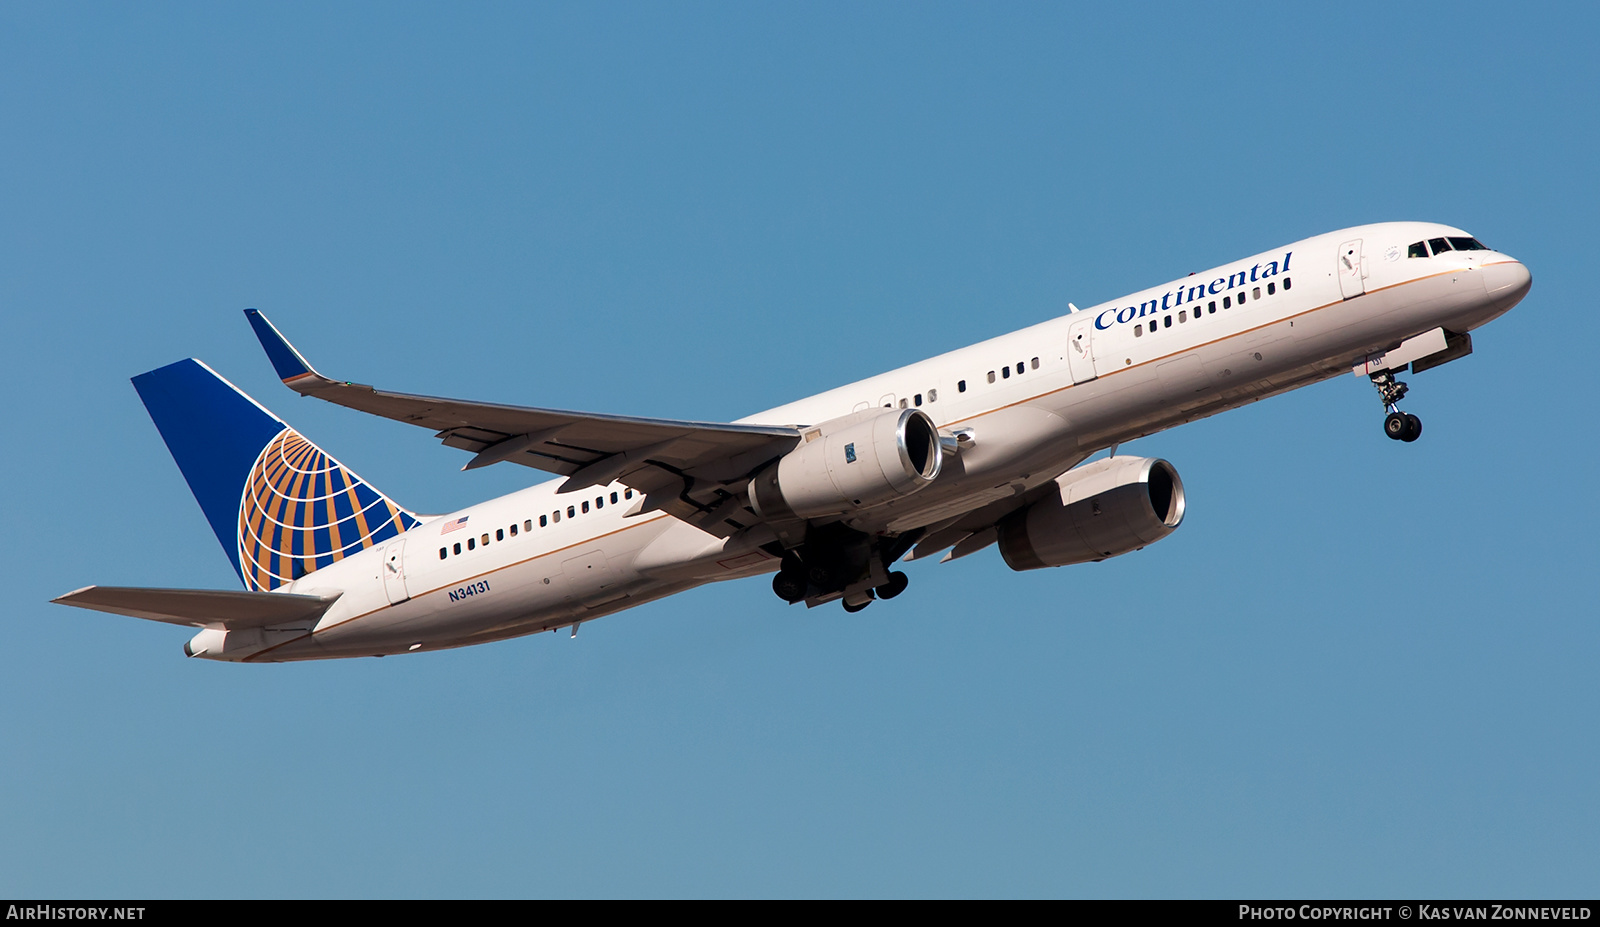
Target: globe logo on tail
pixel 301 510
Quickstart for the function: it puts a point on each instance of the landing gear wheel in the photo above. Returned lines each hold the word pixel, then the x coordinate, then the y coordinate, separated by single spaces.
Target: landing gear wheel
pixel 1397 425
pixel 897 584
pixel 1413 428
pixel 857 602
pixel 789 586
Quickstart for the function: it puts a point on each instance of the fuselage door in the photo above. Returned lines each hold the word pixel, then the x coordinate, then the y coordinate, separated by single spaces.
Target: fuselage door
pixel 394 571
pixel 1350 283
pixel 1080 349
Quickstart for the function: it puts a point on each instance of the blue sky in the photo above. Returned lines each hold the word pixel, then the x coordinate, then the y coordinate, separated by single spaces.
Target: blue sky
pixel 1359 668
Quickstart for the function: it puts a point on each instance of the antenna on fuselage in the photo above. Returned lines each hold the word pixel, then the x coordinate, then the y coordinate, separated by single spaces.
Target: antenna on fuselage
pixel 1073 308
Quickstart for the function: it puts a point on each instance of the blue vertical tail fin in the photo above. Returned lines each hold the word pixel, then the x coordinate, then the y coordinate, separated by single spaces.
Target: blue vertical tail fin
pixel 280 506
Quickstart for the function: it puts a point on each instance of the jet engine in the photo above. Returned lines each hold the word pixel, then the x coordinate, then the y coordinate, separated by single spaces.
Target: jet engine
pixel 1099 510
pixel 851 463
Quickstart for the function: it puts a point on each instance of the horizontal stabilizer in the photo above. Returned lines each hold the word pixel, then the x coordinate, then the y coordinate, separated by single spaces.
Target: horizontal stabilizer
pixel 202 608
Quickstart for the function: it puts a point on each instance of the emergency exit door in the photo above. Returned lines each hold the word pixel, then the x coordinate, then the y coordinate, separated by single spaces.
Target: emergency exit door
pixel 1350 276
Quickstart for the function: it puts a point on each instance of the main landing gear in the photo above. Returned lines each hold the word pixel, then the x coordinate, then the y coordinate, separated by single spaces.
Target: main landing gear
pixel 791 584
pixel 1400 426
pixel 855 602
pixel 845 567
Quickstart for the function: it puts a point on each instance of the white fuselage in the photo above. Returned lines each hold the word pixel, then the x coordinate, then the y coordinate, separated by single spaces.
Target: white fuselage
pixel 1037 402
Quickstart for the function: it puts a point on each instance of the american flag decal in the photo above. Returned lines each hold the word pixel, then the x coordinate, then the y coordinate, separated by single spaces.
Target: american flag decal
pixel 452 525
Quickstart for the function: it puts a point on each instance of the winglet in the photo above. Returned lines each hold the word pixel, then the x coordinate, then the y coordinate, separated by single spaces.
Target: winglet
pixel 288 362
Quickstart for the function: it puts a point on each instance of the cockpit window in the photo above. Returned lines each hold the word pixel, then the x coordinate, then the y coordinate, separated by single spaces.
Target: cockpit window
pixel 1467 244
pixel 1439 245
pixel 1417 249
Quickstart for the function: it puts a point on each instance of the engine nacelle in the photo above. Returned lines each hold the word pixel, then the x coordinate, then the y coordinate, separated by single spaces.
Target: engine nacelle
pixel 1099 510
pixel 855 462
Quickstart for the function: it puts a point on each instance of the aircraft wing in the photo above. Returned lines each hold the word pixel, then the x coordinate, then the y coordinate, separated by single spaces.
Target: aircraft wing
pixel 202 608
pixel 690 469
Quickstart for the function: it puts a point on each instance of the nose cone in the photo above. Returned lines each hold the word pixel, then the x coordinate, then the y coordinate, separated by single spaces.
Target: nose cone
pixel 1507 282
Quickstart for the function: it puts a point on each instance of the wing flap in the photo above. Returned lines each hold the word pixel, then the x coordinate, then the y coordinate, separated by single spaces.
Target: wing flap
pixel 202 608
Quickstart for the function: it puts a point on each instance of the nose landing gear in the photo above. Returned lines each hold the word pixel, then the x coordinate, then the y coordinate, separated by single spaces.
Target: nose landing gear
pixel 1400 426
pixel 1404 426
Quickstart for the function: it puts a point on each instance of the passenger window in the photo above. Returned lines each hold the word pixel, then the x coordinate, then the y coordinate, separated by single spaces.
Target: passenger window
pixel 933 395
pixel 613 498
pixel 544 520
pixel 1255 293
pixel 1227 302
pixel 1287 282
pixel 457 548
pixel 499 535
pixel 1439 245
pixel 1138 331
pixel 1417 249
pixel 1167 323
pixel 444 552
pixel 991 376
pixel 586 506
pixel 573 512
pixel 513 529
pixel 1183 315
pixel 486 539
pixel 918 400
pixel 902 403
pixel 1212 307
pixel 1272 288
pixel 528 525
pixel 627 494
pixel 556 516
pixel 471 544
pixel 1034 363
pixel 1241 297
pixel 1005 373
pixel 961 386
pixel 1019 367
pixel 599 502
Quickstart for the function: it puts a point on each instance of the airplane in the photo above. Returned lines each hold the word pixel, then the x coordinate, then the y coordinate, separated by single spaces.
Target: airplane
pixel 985 445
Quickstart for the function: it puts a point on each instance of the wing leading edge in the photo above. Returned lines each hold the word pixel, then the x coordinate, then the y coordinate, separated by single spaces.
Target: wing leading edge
pixel 694 470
